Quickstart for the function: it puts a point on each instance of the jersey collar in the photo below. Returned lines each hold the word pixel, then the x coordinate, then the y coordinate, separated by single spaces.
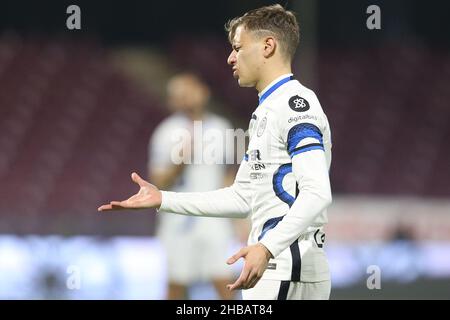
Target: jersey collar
pixel 274 85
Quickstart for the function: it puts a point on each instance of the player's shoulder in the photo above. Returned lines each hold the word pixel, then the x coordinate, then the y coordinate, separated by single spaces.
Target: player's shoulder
pixel 168 125
pixel 296 103
pixel 218 121
pixel 175 120
pixel 295 97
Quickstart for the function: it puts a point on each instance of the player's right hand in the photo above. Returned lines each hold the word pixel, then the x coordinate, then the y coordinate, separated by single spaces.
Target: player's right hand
pixel 148 196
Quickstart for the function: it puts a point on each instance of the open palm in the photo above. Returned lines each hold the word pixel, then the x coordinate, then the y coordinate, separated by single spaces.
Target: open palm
pixel 148 196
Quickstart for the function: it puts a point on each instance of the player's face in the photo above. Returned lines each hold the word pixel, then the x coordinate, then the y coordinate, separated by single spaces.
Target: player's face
pixel 186 94
pixel 246 57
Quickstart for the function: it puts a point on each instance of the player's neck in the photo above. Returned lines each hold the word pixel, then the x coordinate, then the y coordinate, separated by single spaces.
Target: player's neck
pixel 196 115
pixel 270 75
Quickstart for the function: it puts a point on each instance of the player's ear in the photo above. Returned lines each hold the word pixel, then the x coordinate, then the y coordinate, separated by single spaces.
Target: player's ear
pixel 269 46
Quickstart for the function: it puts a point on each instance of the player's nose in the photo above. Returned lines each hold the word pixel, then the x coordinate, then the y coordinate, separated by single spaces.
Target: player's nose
pixel 231 58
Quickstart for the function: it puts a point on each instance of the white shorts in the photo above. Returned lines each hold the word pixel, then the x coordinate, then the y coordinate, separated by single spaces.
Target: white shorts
pixel 197 249
pixel 288 290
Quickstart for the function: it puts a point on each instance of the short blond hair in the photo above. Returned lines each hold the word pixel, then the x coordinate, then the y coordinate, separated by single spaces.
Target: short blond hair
pixel 274 20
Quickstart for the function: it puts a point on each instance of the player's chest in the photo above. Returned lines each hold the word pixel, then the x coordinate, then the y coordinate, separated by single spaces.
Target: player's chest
pixel 264 140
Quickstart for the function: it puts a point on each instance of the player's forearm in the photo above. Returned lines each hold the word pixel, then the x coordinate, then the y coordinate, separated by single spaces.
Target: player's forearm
pixel 301 216
pixel 226 202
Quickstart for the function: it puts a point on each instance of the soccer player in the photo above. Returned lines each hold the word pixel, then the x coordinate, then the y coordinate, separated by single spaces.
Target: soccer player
pixel 194 248
pixel 283 182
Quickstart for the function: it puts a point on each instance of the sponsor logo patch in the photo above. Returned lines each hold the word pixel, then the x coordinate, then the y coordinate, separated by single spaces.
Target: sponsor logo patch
pixel 298 104
pixel 300 118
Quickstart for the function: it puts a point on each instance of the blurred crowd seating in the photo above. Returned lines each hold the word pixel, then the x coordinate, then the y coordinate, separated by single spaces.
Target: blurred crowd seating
pixel 72 129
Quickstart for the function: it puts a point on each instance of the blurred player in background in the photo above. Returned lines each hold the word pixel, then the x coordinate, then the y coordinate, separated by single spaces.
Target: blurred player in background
pixel 196 248
pixel 283 182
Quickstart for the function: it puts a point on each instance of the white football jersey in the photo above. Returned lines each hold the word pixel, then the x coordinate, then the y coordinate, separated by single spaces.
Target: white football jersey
pixel 282 183
pixel 289 121
pixel 167 135
pixel 195 176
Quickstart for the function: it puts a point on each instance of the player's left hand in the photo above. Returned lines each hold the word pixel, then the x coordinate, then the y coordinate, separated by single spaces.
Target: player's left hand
pixel 256 259
pixel 149 196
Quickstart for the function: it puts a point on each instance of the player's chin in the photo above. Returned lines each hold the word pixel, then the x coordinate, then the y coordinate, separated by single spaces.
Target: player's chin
pixel 245 84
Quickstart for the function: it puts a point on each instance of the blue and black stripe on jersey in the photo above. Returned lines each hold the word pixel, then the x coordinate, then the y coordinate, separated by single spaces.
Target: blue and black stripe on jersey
pixel 294 248
pixel 302 131
pixel 268 225
pixel 277 183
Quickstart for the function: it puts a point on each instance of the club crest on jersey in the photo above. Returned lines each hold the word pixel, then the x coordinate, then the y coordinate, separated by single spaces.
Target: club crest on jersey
pixel 261 127
pixel 298 104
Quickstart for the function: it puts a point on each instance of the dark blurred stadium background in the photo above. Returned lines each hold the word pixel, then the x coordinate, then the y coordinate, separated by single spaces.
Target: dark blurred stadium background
pixel 77 108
